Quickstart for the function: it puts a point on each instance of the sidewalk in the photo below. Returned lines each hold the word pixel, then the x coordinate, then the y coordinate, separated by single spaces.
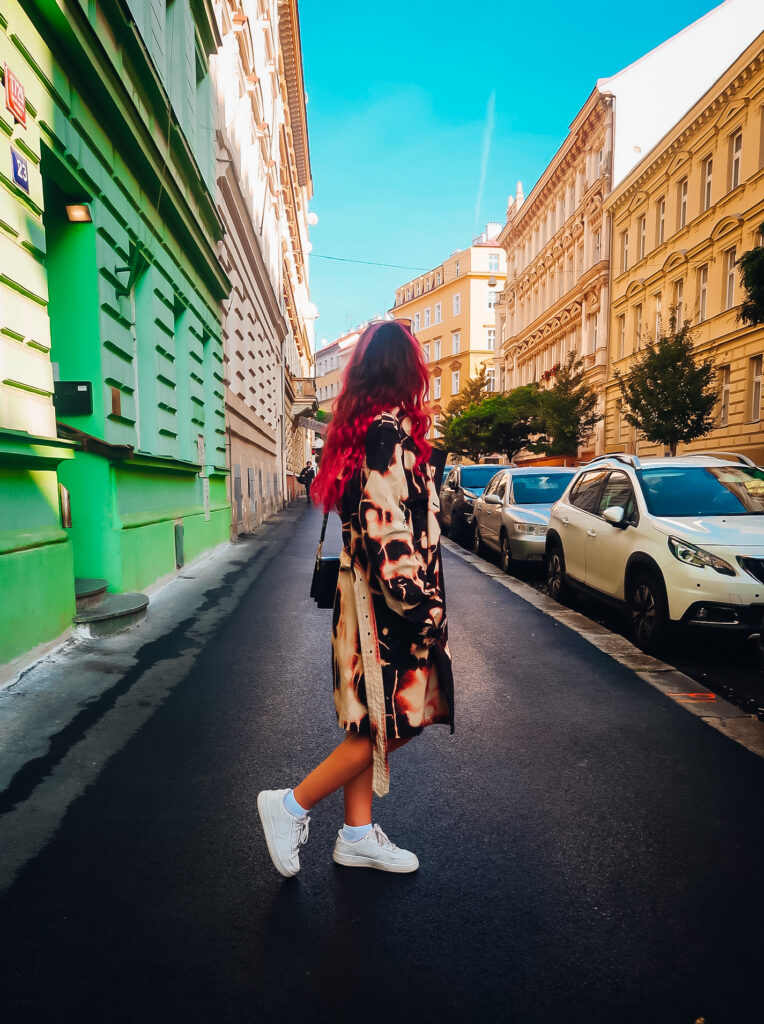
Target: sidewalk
pixel 65 716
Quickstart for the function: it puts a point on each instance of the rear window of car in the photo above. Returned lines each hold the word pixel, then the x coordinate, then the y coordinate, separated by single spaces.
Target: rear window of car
pixel 477 476
pixel 703 491
pixel 539 488
pixel 585 495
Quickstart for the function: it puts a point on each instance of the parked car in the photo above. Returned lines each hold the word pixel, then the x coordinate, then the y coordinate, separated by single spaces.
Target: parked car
pixel 457 496
pixel 512 513
pixel 669 539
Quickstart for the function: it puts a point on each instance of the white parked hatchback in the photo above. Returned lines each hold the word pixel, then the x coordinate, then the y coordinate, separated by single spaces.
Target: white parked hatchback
pixel 670 539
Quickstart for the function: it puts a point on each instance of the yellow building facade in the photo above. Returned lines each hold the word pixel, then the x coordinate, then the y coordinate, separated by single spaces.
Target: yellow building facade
pixel 680 221
pixel 452 314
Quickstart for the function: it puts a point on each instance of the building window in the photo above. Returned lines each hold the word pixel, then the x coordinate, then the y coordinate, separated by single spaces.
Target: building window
pixel 490 343
pixel 436 347
pixel 438 312
pixel 436 388
pixel 736 154
pixel 436 424
pixel 621 336
pixel 595 331
pixel 661 220
pixel 638 327
pixel 416 322
pixel 624 250
pixel 679 302
pixel 642 236
pixel 426 351
pixel 427 316
pixel 681 203
pixel 702 293
pixel 457 302
pixel 438 278
pixel 619 419
pixel 724 399
pixel 493 261
pixel 729 278
pixel 456 340
pixel 490 379
pixel 755 388
pixel 658 303
pixel 455 382
pixel 493 299
pixel 597 246
pixel 708 169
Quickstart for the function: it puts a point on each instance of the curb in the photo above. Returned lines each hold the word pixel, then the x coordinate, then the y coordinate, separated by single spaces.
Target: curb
pixel 714 710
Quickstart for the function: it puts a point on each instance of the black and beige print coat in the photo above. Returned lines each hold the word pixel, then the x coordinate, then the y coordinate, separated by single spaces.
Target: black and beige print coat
pixel 391 536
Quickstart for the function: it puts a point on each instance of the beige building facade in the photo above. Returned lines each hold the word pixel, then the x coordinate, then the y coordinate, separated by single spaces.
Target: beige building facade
pixel 264 186
pixel 556 245
pixel 681 219
pixel 452 314
pixel 331 361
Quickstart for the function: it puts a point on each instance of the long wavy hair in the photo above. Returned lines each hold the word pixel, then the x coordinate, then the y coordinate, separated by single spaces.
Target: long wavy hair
pixel 386 371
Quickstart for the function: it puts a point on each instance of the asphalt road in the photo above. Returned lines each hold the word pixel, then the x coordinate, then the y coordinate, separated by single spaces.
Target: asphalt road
pixel 590 852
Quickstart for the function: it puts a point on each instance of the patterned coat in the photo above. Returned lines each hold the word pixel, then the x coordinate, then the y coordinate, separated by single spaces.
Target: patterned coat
pixel 391 581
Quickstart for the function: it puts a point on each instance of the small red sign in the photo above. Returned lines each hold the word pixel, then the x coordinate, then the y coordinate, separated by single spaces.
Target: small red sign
pixel 15 101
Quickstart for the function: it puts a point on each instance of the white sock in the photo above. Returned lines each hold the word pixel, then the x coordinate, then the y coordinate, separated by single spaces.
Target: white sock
pixel 352 833
pixel 292 806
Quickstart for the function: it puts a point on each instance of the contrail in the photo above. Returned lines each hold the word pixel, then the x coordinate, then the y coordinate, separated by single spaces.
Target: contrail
pixel 487 136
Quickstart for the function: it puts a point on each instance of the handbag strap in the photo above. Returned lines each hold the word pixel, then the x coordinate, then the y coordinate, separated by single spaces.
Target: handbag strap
pixel 323 534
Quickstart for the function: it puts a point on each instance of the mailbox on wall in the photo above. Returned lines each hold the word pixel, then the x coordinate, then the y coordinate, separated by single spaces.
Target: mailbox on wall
pixel 73 397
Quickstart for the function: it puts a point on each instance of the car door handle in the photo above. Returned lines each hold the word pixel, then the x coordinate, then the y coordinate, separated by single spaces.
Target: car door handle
pixel 591 533
pixel 564 520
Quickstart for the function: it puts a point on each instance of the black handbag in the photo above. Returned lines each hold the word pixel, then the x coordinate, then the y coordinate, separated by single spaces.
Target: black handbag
pixel 326 572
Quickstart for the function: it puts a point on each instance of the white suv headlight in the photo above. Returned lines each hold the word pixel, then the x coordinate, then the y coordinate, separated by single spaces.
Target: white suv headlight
pixel 690 554
pixel 531 529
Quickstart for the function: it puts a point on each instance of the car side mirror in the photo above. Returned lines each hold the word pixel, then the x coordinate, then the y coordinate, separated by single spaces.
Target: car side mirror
pixel 492 499
pixel 615 516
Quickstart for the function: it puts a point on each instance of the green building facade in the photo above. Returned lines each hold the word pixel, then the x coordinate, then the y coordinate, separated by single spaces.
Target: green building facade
pixel 109 301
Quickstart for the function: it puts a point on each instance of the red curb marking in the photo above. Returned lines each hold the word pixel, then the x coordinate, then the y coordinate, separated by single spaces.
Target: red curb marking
pixel 696 698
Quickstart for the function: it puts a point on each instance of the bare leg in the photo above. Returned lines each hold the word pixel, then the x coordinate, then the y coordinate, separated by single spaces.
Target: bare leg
pixel 347 761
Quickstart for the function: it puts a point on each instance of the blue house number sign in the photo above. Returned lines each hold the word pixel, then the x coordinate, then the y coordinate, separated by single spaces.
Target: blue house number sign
pixel 20 170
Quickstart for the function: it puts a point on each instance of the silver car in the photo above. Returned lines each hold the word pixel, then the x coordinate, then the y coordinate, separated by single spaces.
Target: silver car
pixel 512 513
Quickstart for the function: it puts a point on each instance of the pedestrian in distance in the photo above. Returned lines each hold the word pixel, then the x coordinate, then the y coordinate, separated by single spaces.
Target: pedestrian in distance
pixel 306 478
pixel 391 662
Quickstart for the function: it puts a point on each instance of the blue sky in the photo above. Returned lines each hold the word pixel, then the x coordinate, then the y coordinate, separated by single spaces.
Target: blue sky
pixel 399 98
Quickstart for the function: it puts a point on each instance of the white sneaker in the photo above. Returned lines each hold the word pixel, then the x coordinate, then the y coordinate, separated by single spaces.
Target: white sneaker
pixel 374 851
pixel 284 833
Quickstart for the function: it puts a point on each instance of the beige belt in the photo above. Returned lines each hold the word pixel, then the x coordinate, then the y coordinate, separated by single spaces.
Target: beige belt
pixel 372 673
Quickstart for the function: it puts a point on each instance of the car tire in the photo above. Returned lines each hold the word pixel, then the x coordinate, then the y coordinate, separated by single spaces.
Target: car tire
pixel 557 584
pixel 505 554
pixel 647 608
pixel 478 547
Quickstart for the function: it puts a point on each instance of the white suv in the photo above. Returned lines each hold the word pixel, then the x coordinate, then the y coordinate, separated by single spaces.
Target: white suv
pixel 671 539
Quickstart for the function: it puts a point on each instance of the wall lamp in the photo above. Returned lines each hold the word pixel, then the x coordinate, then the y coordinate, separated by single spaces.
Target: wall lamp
pixel 79 213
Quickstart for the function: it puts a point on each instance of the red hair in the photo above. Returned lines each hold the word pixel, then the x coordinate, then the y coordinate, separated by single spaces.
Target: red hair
pixel 386 371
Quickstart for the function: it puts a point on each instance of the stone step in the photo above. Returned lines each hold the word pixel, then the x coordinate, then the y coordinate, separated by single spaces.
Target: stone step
pixel 88 592
pixel 112 614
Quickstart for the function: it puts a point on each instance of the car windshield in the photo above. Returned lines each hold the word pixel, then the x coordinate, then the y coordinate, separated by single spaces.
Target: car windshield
pixel 703 491
pixel 539 488
pixel 477 476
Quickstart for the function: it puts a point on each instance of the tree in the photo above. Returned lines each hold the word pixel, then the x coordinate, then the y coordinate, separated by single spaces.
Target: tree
pixel 474 391
pixel 670 396
pixel 752 274
pixel 569 409
pixel 507 422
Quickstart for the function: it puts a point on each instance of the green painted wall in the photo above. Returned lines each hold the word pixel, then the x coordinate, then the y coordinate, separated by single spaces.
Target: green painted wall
pixel 128 301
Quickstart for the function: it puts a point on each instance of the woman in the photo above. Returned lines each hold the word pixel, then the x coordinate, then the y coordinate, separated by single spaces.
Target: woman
pixel 392 667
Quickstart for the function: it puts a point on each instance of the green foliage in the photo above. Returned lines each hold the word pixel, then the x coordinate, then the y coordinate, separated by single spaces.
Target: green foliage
pixel 752 274
pixel 670 397
pixel 503 423
pixel 569 409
